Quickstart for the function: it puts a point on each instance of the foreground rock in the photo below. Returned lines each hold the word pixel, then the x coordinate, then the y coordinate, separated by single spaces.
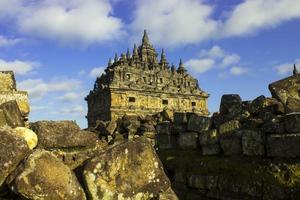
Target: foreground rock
pixel 130 170
pixel 13 149
pixel 29 136
pixel 45 177
pixel 12 114
pixel 65 139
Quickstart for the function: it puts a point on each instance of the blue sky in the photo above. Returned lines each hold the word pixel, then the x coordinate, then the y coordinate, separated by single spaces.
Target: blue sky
pixel 58 47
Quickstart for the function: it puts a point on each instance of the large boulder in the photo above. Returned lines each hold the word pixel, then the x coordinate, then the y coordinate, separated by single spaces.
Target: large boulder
pixel 12 114
pixel 283 145
pixel 65 139
pixel 13 149
pixel 285 88
pixel 45 177
pixel 263 104
pixel 29 136
pixel 130 170
pixel 231 106
pixel 197 123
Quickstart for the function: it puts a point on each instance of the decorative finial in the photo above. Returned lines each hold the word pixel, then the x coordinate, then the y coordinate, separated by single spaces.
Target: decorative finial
pixel 135 51
pixel 163 55
pixel 295 71
pixel 116 58
pixel 123 56
pixel 110 62
pixel 180 63
pixel 181 68
pixel 145 38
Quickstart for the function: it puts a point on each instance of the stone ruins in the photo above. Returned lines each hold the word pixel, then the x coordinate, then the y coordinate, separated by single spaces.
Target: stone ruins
pixel 140 84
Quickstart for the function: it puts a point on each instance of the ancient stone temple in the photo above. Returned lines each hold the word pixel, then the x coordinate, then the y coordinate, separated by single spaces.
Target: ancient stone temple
pixel 141 84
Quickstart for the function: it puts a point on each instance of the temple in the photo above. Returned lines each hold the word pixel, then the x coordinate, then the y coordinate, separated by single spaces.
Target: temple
pixel 140 84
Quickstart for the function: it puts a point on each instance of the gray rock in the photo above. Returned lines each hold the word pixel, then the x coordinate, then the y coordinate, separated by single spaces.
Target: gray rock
pixel 292 105
pixel 166 141
pixel 163 128
pixel 209 142
pixel 202 182
pixel 274 126
pixel 198 123
pixel 180 118
pixel 231 145
pixel 263 104
pixel 231 106
pixel 283 145
pixel 253 143
pixel 188 140
pixel 229 126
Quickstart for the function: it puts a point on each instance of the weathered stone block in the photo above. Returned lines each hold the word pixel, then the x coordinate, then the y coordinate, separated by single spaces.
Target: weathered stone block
pixel 46 177
pixel 275 126
pixel 209 142
pixel 287 145
pixel 253 143
pixel 166 141
pixel 292 105
pixel 3 121
pixel 188 140
pixel 202 182
pixel 180 118
pixel 178 128
pixel 12 114
pixel 231 106
pixel 13 149
pixel 231 145
pixel 229 126
pixel 292 122
pixel 8 82
pixel 163 128
pixel 198 123
pixel 130 170
pixel 266 104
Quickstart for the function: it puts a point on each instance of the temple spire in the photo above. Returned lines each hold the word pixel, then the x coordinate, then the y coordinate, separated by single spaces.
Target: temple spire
pixel 145 38
pixel 295 71
pixel 110 62
pixel 181 68
pixel 116 58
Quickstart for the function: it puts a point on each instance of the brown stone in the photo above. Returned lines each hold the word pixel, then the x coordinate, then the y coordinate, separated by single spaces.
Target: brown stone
pixel 12 114
pixel 188 140
pixel 283 145
pixel 292 105
pixel 231 106
pixel 253 143
pixel 263 104
pixel 229 126
pixel 46 177
pixel 198 123
pixel 209 141
pixel 130 170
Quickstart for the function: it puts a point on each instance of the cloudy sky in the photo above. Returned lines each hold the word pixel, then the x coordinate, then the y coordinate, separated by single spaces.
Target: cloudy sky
pixel 57 48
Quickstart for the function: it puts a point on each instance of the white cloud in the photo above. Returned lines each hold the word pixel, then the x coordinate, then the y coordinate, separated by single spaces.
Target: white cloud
pixel 77 110
pixel 5 41
pixel 174 22
pixel 72 96
pixel 96 72
pixel 214 52
pixel 238 71
pixel 19 67
pixel 230 60
pixel 68 21
pixel 254 15
pixel 200 65
pixel 37 88
pixel 287 68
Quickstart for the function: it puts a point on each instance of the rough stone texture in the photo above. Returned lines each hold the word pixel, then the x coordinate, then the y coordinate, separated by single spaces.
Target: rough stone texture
pixel 229 126
pixel 262 104
pixel 3 120
pixel 275 126
pixel 231 106
pixel 13 149
pixel 29 136
pixel 12 114
pixel 163 128
pixel 209 142
pixel 198 123
pixel 140 84
pixel 253 143
pixel 231 145
pixel 292 122
pixel 188 140
pixel 292 105
pixel 45 177
pixel 285 88
pixel 166 141
pixel 286 145
pixel 180 118
pixel 131 170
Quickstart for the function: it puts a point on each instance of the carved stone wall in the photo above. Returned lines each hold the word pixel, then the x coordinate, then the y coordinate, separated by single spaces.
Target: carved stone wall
pixel 140 84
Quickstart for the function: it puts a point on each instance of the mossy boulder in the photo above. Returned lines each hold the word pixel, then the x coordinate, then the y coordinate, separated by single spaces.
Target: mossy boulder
pixel 130 170
pixel 13 149
pixel 43 176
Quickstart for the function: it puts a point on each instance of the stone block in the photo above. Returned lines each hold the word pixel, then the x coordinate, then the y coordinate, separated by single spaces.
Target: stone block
pixel 180 118
pixel 229 126
pixel 166 141
pixel 198 123
pixel 3 121
pixel 253 143
pixel 163 128
pixel 231 145
pixel 266 104
pixel 209 142
pixel 287 145
pixel 178 128
pixel 202 182
pixel 292 122
pixel 188 140
pixel 231 106
pixel 12 114
pixel 274 126
pixel 292 105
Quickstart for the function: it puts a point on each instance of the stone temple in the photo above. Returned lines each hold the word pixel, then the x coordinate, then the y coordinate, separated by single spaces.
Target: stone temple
pixel 139 84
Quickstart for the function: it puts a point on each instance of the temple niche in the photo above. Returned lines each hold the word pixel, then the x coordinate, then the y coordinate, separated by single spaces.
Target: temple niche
pixel 140 84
